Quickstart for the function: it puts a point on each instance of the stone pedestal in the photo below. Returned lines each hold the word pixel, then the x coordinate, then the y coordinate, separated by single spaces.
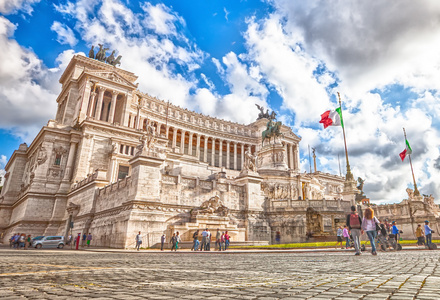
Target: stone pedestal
pixel 350 191
pixel 145 174
pixel 272 157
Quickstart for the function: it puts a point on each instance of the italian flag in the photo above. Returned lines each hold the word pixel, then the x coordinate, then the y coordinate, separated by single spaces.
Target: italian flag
pixel 407 151
pixel 332 118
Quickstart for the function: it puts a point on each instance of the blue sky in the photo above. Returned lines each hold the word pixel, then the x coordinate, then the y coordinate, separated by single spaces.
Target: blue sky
pixel 221 57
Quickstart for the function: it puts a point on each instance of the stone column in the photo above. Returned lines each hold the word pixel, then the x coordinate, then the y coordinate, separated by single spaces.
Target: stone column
pixel 113 106
pixel 190 144
pixel 138 117
pixel 292 163
pixel 286 150
pixel 235 156
pixel 132 121
pixel 158 125
pixel 213 152
pixel 174 137
pixel 296 158
pixel 205 150
pixel 91 105
pixel 242 157
pixel 167 131
pixel 220 154
pixel 182 142
pixel 228 154
pixel 82 113
pixel 99 105
pixel 198 147
pixel 68 170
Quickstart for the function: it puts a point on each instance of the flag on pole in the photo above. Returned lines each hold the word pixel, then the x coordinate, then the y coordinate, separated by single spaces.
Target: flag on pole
pixel 407 150
pixel 332 118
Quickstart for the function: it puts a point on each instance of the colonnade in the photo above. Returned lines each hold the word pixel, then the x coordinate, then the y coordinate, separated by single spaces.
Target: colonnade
pixel 102 108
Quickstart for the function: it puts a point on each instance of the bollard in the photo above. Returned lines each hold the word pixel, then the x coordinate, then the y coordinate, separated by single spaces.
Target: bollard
pixel 77 240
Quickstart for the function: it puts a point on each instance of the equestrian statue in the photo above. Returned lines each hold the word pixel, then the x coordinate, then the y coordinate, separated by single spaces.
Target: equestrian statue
pixel 273 128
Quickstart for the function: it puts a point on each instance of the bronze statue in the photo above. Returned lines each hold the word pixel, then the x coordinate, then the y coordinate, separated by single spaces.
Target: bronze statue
pixel 117 61
pixel 110 58
pixel 361 185
pixel 92 52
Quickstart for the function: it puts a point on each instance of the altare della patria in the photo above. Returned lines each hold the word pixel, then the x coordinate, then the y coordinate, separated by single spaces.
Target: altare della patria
pixel 115 161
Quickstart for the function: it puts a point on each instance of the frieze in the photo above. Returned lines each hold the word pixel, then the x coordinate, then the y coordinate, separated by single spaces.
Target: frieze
pixel 222 187
pixel 189 183
pixel 169 179
pixel 205 185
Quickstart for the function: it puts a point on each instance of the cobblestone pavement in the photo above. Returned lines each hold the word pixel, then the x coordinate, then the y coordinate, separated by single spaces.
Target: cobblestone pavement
pixel 63 274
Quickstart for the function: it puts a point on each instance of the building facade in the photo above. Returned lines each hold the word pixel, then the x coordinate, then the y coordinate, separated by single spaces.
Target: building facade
pixel 116 161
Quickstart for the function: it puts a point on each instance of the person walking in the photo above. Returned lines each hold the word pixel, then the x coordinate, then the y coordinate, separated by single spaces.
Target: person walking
pixel 28 242
pixel 278 237
pixel 84 238
pixel 173 242
pixel 346 235
pixel 383 236
pixel 22 241
pixel 354 223
pixel 195 239
pixel 138 240
pixel 178 240
pixel 369 226
pixel 89 239
pixel 339 237
pixel 222 242
pixel 208 241
pixel 227 240
pixel 217 240
pixel 420 235
pixel 204 235
pixel 428 234
pixel 162 242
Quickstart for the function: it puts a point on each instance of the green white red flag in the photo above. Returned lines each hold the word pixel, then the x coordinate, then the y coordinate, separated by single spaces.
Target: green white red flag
pixel 332 118
pixel 407 150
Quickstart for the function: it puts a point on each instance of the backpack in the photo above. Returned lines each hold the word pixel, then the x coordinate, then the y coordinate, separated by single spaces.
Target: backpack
pixel 354 221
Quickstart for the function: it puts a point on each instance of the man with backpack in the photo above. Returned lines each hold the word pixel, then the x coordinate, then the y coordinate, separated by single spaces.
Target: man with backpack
pixel 354 223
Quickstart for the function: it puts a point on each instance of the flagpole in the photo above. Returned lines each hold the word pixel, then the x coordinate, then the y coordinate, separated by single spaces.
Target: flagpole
pixel 416 191
pixel 339 162
pixel 349 176
pixel 310 161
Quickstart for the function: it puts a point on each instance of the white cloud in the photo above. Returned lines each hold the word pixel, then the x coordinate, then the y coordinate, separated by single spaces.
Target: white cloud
pixel 65 35
pixel 287 68
pixel 3 162
pixel 161 19
pixel 27 90
pixel 13 6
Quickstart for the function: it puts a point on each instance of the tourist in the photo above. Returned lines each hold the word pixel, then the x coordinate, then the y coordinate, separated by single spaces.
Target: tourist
pixel 162 242
pixel 394 231
pixel 339 237
pixel 222 242
pixel 428 234
pixel 178 240
pixel 346 235
pixel 196 245
pixel 28 241
pixel 173 242
pixel 138 241
pixel 204 235
pixel 22 241
pixel 84 238
pixel 278 237
pixel 217 240
pixel 369 226
pixel 354 224
pixel 227 237
pixel 383 236
pixel 208 241
pixel 89 239
pixel 420 235
pixel 195 239
pixel 16 240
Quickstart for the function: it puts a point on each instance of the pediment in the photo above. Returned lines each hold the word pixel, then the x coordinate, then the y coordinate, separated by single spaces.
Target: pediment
pixel 112 76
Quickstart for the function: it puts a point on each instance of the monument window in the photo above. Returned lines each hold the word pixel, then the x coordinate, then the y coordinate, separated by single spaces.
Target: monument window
pixel 57 160
pixel 121 149
pixel 123 172
pixel 132 150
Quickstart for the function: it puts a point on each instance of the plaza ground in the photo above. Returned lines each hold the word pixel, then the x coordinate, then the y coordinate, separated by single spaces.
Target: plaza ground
pixel 65 274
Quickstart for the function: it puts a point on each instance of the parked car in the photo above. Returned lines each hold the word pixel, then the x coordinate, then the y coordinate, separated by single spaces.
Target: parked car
pixel 49 242
pixel 37 238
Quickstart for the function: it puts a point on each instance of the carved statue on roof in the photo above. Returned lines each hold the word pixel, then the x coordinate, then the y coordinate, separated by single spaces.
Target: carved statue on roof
pixel 101 55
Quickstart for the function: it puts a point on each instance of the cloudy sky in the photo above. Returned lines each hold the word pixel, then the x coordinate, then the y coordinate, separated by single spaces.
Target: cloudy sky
pixel 220 57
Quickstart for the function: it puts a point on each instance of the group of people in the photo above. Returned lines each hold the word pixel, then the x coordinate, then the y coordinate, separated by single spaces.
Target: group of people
pixel 369 224
pixel 86 239
pixel 20 241
pixel 222 240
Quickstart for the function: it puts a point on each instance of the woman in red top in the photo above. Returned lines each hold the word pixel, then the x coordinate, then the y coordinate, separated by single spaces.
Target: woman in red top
pixel 226 240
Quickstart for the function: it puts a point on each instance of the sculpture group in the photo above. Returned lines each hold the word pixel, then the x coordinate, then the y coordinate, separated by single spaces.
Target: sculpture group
pixel 101 56
pixel 273 127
